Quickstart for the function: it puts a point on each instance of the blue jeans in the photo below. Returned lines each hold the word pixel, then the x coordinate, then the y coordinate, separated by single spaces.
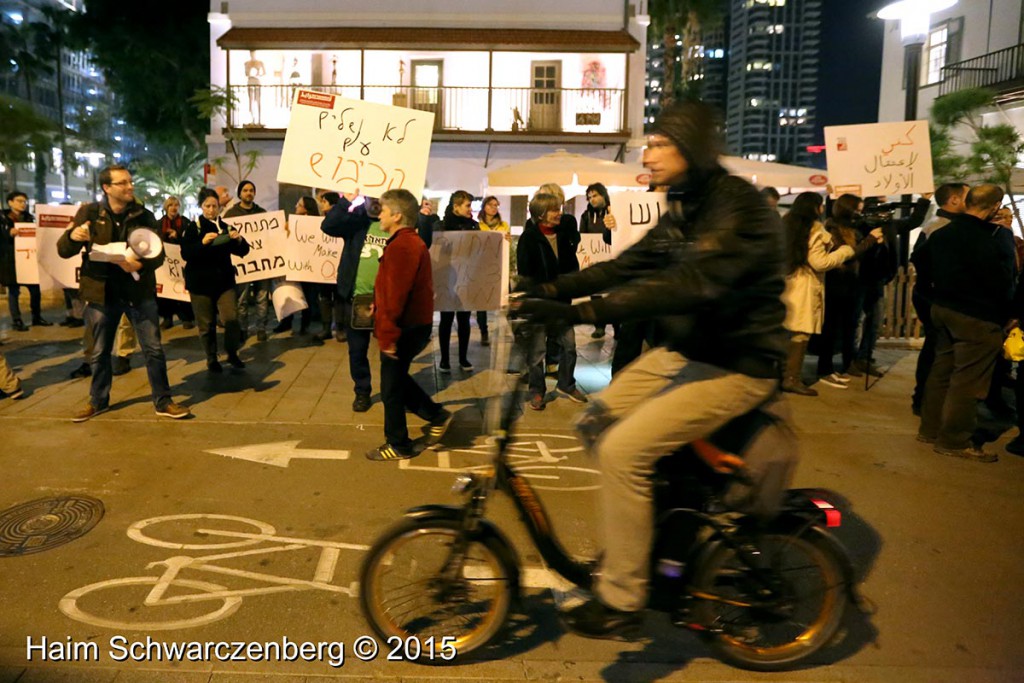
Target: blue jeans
pixel 101 323
pixel 565 339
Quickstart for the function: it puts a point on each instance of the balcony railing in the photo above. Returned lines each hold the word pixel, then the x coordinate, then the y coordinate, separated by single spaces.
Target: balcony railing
pixel 1002 71
pixel 456 109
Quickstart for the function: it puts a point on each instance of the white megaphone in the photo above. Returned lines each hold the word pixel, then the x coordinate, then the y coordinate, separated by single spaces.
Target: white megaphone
pixel 145 243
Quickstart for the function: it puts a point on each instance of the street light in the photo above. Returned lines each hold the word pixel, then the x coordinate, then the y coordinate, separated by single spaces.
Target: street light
pixel 914 17
pixel 915 22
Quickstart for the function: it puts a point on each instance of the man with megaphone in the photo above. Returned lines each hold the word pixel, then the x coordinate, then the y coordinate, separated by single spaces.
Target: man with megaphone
pixel 118 277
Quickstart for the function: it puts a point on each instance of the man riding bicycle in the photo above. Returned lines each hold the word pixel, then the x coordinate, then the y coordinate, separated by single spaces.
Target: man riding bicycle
pixel 710 274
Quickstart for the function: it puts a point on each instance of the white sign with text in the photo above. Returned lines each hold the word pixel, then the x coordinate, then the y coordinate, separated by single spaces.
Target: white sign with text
pixel 26 263
pixel 355 146
pixel 170 277
pixel 470 269
pixel 635 213
pixel 879 159
pixel 592 249
pixel 55 272
pixel 313 256
pixel 268 243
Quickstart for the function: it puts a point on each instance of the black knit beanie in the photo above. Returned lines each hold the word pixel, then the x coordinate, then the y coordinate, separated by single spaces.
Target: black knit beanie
pixel 238 192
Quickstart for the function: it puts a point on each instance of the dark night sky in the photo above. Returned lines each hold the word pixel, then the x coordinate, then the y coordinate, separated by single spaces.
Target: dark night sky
pixel 851 63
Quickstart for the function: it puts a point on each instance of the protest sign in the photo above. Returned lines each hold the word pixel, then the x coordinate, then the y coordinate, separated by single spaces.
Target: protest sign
pixel 470 270
pixel 635 213
pixel 288 298
pixel 354 146
pixel 879 159
pixel 312 255
pixel 170 276
pixel 26 264
pixel 592 249
pixel 55 272
pixel 267 245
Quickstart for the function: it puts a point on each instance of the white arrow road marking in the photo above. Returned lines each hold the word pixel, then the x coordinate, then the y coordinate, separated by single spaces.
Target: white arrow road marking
pixel 278 453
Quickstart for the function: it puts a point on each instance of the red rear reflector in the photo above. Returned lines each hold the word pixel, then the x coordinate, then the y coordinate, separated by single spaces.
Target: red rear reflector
pixel 833 517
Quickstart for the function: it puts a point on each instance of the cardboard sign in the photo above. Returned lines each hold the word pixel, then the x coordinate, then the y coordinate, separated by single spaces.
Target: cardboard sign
pixel 267 245
pixel 592 249
pixel 354 146
pixel 55 272
pixel 635 213
pixel 880 159
pixel 26 264
pixel 170 277
pixel 312 255
pixel 470 269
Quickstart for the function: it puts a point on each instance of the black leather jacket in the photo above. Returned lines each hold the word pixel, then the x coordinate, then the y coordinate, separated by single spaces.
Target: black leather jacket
pixel 711 274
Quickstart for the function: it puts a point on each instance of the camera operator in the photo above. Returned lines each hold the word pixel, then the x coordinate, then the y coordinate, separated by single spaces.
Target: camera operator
pixel 878 267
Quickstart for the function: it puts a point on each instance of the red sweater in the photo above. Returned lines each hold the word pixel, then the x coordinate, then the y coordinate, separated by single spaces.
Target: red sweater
pixel 403 293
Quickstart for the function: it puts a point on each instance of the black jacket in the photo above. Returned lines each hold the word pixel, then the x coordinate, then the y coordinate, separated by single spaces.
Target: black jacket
pixel 455 223
pixel 8 269
pixel 970 267
pixel 99 281
pixel 350 226
pixel 208 267
pixel 711 273
pixel 592 222
pixel 535 259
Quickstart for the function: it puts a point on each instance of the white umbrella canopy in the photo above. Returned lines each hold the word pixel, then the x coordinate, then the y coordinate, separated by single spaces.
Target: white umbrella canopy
pixel 568 170
pixel 578 170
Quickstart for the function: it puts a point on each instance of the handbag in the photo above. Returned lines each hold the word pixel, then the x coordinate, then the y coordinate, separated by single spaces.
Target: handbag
pixel 1013 347
pixel 362 312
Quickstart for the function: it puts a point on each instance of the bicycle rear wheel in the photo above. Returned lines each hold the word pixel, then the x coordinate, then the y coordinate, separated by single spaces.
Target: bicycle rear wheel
pixel 406 591
pixel 801 618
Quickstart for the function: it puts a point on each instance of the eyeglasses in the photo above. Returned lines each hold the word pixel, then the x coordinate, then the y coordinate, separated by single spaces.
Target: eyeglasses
pixel 122 183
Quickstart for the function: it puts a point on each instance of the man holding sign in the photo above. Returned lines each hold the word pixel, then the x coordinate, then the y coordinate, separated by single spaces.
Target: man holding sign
pixel 17 212
pixel 112 289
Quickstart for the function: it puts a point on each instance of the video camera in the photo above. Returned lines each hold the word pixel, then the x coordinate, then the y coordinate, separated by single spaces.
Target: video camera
pixel 880 215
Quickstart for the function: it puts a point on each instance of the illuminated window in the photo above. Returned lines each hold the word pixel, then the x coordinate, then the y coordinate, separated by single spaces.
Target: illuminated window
pixel 941 49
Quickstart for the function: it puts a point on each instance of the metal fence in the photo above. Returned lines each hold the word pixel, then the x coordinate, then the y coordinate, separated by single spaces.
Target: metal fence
pixel 455 108
pixel 1003 68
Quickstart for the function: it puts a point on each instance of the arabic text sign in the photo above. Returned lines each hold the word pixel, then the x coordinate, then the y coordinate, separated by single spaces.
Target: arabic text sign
pixel 55 272
pixel 354 146
pixel 267 244
pixel 312 256
pixel 592 249
pixel 880 159
pixel 470 270
pixel 635 213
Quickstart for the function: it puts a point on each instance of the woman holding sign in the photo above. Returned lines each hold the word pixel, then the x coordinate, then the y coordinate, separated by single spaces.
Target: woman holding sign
pixel 490 219
pixel 458 216
pixel 207 246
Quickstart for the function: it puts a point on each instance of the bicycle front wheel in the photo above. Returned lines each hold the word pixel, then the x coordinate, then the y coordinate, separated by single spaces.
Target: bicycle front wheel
pixel 409 585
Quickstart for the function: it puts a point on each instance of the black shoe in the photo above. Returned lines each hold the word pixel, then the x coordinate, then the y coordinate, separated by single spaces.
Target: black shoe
pixel 485 340
pixel 438 426
pixel 392 452
pixel 166 324
pixel 82 370
pixel 235 361
pixel 66 322
pixel 214 366
pixel 283 327
pixel 361 403
pixel 466 366
pixel 76 322
pixel 444 367
pixel 19 326
pixel 593 619
pixel 120 365
pixel 40 322
pixel 187 324
pixel 325 335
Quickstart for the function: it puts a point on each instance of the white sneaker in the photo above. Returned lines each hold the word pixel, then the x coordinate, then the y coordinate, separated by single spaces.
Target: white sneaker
pixel 838 376
pixel 834 381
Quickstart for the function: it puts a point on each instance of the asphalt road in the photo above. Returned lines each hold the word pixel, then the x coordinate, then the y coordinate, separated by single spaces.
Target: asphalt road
pixel 274 455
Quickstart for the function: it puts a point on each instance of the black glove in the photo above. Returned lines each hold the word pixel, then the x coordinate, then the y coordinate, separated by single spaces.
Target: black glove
pixel 533 289
pixel 547 312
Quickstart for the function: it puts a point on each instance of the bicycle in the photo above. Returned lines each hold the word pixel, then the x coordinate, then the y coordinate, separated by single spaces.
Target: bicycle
pixel 766 593
pixel 176 594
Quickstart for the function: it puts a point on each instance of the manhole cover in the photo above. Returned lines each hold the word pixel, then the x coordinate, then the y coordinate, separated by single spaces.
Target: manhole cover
pixel 46 523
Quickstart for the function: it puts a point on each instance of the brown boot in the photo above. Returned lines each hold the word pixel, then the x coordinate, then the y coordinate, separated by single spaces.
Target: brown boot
pixel 792 383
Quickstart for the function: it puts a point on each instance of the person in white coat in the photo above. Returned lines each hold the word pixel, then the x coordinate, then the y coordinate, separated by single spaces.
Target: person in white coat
pixel 812 253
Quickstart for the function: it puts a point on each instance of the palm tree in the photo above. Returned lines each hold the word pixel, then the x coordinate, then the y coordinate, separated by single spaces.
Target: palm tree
pixel 689 19
pixel 23 130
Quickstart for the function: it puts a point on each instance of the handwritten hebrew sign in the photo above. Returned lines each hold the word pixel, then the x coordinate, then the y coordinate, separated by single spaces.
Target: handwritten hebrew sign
pixel 267 245
pixel 592 249
pixel 354 146
pixel 312 255
pixel 55 272
pixel 170 277
pixel 880 159
pixel 26 264
pixel 470 270
pixel 635 213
